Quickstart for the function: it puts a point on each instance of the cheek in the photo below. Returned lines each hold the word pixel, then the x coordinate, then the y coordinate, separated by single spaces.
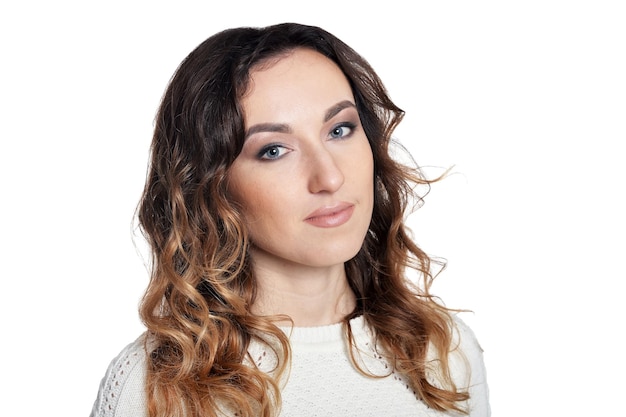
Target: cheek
pixel 261 208
pixel 244 194
pixel 363 166
pixel 250 199
pixel 367 173
pixel 254 219
pixel 265 198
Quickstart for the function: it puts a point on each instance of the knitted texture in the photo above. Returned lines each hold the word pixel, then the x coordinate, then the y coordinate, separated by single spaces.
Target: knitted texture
pixel 322 380
pixel 122 392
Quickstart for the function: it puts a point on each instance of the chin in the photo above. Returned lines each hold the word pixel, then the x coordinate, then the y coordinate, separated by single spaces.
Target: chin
pixel 333 256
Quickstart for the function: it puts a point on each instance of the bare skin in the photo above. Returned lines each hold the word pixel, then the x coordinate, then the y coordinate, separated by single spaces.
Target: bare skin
pixel 305 180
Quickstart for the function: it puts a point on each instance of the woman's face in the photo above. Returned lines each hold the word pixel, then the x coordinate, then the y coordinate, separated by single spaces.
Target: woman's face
pixel 305 174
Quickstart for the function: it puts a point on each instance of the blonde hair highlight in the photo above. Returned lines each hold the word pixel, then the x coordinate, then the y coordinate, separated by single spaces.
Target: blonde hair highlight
pixel 197 305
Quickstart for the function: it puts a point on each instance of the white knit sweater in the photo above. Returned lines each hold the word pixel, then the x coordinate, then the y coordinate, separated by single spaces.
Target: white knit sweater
pixel 322 380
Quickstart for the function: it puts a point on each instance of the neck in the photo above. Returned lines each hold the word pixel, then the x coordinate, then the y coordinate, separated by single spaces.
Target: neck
pixel 310 296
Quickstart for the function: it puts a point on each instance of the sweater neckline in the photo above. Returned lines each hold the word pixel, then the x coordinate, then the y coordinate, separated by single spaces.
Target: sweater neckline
pixel 324 334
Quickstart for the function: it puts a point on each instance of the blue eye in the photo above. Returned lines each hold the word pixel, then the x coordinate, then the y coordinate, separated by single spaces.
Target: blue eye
pixel 272 152
pixel 342 130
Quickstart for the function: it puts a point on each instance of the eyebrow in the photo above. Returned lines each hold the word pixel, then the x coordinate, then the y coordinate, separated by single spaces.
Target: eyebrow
pixel 268 127
pixel 337 108
pixel 284 128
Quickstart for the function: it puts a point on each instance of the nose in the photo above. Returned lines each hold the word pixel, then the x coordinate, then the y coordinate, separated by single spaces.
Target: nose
pixel 325 174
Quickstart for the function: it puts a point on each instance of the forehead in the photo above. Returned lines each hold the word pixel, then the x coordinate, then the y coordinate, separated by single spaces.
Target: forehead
pixel 300 55
pixel 301 78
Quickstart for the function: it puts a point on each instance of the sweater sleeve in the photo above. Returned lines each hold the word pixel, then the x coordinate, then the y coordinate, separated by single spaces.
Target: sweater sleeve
pixel 468 370
pixel 122 390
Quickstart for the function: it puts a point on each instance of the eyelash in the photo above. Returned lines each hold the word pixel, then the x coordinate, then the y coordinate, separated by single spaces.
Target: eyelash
pixel 348 125
pixel 263 153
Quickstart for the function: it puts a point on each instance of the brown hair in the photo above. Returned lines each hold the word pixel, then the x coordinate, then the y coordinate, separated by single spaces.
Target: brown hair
pixel 196 306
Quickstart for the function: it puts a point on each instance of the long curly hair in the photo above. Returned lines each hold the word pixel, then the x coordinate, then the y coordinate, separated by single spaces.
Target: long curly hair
pixel 197 305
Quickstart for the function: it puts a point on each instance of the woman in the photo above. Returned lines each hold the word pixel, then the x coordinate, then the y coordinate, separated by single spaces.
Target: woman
pixel 275 216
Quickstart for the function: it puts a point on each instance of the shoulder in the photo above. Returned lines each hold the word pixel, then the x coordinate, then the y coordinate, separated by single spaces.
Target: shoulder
pixel 122 389
pixel 464 339
pixel 468 368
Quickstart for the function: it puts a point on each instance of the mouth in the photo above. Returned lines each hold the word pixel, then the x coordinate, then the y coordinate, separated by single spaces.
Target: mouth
pixel 331 216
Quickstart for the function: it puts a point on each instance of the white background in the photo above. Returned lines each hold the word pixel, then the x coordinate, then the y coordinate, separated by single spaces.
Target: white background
pixel 526 99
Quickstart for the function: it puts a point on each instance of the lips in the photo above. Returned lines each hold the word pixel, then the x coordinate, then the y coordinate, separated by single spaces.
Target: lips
pixel 331 216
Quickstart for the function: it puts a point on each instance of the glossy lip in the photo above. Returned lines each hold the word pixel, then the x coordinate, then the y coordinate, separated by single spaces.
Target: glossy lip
pixel 332 216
